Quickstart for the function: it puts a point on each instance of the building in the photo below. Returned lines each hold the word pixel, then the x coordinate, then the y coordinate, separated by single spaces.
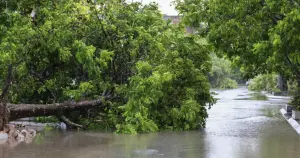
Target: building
pixel 175 19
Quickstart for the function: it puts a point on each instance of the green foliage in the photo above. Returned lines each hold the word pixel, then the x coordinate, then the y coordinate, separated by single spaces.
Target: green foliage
pixel 259 36
pixel 48 119
pixel 264 82
pixel 221 75
pixel 228 83
pixel 295 101
pixel 169 95
pixel 293 86
pixel 153 74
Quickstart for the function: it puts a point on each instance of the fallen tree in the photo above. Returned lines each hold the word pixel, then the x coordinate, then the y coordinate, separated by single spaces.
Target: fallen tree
pixel 10 112
pixel 17 111
pixel 75 51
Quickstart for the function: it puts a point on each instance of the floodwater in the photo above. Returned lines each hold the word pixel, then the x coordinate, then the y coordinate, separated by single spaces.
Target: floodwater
pixel 240 125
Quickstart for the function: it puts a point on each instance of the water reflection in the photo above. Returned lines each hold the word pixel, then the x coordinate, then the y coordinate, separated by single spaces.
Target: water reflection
pixel 252 96
pixel 93 145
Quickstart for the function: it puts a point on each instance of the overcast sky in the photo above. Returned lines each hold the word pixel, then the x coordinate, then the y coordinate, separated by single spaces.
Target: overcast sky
pixel 165 5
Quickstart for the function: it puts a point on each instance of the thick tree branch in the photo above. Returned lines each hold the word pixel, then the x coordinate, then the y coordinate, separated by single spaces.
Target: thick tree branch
pixel 70 123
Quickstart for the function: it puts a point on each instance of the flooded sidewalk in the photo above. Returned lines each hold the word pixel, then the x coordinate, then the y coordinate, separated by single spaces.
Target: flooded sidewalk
pixel 242 124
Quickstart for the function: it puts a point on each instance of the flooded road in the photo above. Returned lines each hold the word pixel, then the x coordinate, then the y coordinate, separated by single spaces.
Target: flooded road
pixel 240 125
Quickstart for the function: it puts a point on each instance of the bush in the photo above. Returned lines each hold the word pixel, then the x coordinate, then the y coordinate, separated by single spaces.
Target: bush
pixel 222 75
pixel 228 83
pixel 295 101
pixel 293 86
pixel 264 82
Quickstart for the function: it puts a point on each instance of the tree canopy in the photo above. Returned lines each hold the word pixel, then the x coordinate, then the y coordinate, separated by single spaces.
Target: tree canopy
pixel 259 35
pixel 151 75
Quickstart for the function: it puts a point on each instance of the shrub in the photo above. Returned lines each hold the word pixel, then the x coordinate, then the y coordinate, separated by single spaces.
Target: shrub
pixel 266 82
pixel 228 83
pixel 221 75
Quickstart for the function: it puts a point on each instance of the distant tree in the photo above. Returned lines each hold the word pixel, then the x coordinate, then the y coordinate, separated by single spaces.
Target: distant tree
pixel 262 36
pixel 221 75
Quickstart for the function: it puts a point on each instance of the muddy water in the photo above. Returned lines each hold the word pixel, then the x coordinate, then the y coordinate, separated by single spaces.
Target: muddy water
pixel 241 125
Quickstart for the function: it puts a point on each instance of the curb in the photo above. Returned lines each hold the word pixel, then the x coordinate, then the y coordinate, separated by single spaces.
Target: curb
pixel 290 120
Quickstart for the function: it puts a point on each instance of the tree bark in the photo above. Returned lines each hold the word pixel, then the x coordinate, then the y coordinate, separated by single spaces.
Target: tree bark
pixel 3 115
pixel 282 83
pixel 17 111
pixel 70 123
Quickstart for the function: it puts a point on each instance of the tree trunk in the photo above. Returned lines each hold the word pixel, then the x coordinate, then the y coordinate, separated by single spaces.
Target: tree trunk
pixel 4 112
pixel 10 112
pixel 3 115
pixel 282 83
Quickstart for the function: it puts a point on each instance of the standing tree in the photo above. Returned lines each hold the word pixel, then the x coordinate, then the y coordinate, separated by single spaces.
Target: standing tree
pixel 259 35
